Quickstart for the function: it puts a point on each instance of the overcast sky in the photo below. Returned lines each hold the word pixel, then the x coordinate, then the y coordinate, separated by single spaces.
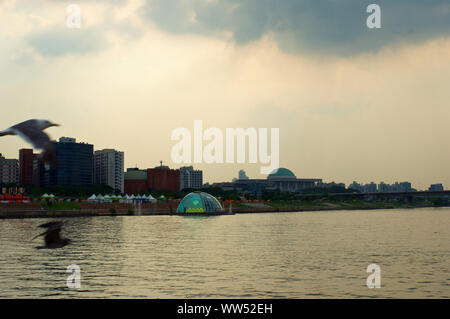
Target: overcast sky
pixel 351 103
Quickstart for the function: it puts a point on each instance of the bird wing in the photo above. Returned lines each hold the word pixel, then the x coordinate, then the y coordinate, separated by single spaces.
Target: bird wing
pixel 52 236
pixel 7 132
pixel 52 232
pixel 55 224
pixel 30 132
pixel 49 156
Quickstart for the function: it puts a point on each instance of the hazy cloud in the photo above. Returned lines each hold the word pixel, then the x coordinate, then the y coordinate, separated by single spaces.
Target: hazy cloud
pixel 40 27
pixel 328 26
pixel 57 42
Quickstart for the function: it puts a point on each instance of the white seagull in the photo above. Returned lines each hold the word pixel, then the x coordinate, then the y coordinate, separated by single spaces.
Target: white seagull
pixel 32 132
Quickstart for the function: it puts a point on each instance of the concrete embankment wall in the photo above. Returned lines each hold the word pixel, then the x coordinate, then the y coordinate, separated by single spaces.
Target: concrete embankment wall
pixel 23 210
pixel 35 210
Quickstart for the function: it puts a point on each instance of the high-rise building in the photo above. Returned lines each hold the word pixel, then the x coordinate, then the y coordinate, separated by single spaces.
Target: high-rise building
pixel 356 186
pixel 108 168
pixel 383 188
pixel 9 170
pixel 370 188
pixel 190 178
pixel 401 187
pixel 163 178
pixel 75 164
pixel 26 166
pixel 38 170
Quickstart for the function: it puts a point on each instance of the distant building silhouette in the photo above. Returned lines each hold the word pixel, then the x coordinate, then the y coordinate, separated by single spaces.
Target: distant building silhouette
pixel 109 168
pixel 436 187
pixel 160 178
pixel 242 174
pixel 356 186
pixel 331 184
pixel 370 188
pixel 38 170
pixel 281 180
pixel 26 158
pixel 135 181
pixel 382 187
pixel 190 178
pixel 9 170
pixel 163 178
pixel 75 164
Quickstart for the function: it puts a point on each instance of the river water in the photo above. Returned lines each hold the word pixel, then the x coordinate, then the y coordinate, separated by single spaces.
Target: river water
pixel 274 255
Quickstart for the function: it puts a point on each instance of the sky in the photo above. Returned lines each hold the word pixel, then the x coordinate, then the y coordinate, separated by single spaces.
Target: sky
pixel 351 103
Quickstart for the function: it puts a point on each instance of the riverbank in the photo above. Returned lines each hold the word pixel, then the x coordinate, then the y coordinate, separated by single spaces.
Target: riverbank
pixel 36 210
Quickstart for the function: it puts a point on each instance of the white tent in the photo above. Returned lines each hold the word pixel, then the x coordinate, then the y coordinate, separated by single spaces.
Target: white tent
pixel 119 198
pixel 151 199
pixel 92 199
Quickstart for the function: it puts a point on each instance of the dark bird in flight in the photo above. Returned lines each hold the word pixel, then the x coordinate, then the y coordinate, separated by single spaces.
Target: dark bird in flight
pixel 32 131
pixel 52 236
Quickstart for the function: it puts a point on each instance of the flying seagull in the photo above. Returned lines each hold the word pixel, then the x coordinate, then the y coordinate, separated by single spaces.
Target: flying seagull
pixel 32 131
pixel 52 237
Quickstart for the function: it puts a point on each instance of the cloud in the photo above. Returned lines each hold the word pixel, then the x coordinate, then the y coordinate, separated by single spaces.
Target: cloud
pixel 57 42
pixel 328 26
pixel 40 28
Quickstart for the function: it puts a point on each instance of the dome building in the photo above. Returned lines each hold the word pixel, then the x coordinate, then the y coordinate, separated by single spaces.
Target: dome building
pixel 281 173
pixel 285 181
pixel 199 202
pixel 280 179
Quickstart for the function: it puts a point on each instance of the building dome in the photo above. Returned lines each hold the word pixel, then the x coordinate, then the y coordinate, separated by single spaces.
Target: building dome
pixel 199 202
pixel 281 173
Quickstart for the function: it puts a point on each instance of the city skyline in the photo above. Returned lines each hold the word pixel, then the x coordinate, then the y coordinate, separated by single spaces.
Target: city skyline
pixel 115 178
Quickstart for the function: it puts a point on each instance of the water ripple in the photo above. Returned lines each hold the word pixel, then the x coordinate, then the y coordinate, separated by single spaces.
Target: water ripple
pixel 280 255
